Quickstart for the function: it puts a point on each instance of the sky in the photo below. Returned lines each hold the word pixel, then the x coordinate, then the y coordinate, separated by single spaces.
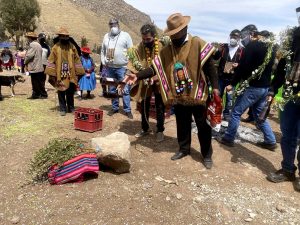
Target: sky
pixel 213 20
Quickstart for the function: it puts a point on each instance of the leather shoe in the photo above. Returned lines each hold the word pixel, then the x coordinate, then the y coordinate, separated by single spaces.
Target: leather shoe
pixel 178 155
pixel 281 176
pixel 297 184
pixel 207 162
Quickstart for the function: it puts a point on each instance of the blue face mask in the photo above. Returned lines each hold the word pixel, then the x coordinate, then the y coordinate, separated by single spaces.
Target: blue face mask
pixel 245 41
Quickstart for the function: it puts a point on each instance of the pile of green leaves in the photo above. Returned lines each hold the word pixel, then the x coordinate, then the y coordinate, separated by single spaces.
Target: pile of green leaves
pixel 56 152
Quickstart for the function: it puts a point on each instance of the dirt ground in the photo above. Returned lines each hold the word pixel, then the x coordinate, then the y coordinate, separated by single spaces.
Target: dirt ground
pixel 234 191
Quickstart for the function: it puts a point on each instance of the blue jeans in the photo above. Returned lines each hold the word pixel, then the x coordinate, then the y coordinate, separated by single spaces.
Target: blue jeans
pixel 228 103
pixel 290 128
pixel 255 98
pixel 119 74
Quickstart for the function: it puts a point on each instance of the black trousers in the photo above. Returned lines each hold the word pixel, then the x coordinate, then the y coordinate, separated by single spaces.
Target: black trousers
pixel 160 113
pixel 184 130
pixel 38 84
pixel 66 99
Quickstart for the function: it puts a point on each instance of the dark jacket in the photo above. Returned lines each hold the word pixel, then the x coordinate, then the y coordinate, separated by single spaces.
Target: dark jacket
pixel 296 45
pixel 254 55
pixel 223 56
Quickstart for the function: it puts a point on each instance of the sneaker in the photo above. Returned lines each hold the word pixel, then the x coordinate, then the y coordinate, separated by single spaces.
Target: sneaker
pixel 226 142
pixel 142 133
pixel 129 115
pixel 270 147
pixel 62 113
pixel 112 112
pixel 160 137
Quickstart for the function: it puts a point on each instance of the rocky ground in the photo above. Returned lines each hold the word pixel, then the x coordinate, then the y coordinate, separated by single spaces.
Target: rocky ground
pixel 156 191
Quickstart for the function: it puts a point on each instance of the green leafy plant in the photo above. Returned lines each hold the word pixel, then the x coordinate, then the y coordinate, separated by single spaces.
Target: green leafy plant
pixel 56 152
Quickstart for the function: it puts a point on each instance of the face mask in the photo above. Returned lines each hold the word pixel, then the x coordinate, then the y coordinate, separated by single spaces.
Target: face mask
pixel 233 42
pixel 149 44
pixel 114 31
pixel 178 41
pixel 246 41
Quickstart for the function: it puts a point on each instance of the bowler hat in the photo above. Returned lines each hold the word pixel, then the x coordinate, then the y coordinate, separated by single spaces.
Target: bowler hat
pixel 175 23
pixel 63 31
pixel 86 49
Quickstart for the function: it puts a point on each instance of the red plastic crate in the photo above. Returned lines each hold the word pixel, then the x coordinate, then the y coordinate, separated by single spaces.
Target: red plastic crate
pixel 88 119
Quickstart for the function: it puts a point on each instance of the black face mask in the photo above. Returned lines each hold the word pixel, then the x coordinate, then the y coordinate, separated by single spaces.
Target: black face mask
pixel 149 44
pixel 179 41
pixel 64 41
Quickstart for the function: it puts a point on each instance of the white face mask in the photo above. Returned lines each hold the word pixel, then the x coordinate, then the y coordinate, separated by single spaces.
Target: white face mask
pixel 114 30
pixel 233 42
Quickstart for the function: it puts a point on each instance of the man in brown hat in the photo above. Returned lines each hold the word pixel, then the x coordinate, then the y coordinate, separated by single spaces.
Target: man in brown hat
pixel 34 64
pixel 63 67
pixel 184 68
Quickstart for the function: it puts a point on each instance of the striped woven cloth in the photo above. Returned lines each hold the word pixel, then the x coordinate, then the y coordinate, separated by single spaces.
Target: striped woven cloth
pixel 74 169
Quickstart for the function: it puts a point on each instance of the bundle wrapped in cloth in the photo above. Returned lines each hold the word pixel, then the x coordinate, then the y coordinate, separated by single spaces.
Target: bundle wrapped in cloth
pixel 74 169
pixel 214 112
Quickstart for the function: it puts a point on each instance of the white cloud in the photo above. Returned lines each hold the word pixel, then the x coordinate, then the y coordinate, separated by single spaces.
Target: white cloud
pixel 214 19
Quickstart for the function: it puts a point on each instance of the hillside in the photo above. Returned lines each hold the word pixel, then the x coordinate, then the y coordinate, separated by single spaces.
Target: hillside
pixel 89 18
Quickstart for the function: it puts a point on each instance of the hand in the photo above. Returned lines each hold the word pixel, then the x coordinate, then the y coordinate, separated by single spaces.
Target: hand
pixel 120 89
pixel 270 96
pixel 155 78
pixel 130 79
pixel 216 92
pixel 229 88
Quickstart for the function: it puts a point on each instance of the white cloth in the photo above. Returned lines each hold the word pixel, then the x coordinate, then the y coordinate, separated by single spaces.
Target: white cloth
pixel 232 51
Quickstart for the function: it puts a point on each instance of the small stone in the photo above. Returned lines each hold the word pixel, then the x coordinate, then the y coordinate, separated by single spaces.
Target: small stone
pixel 147 186
pixel 248 219
pixel 179 196
pixel 20 197
pixel 168 198
pixel 15 220
pixel 252 215
pixel 198 199
pixel 249 210
pixel 280 208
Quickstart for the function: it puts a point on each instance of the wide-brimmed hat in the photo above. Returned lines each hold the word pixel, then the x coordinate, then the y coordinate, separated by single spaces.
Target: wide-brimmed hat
pixel 175 23
pixel 63 31
pixel 86 49
pixel 31 34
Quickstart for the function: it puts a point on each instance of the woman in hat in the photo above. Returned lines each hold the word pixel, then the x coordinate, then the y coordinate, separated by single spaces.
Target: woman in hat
pixel 88 80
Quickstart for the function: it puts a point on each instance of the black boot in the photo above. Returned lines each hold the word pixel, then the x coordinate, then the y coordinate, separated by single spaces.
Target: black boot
pixel 281 176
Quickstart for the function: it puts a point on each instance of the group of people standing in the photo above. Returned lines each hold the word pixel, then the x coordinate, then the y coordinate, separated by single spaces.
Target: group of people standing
pixel 182 73
pixel 186 67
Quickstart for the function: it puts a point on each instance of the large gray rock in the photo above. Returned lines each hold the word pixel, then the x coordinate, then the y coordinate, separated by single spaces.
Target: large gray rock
pixel 113 151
